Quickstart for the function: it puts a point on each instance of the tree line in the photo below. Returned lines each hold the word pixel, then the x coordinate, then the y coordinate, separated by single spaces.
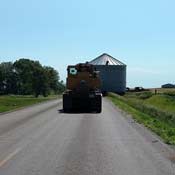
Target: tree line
pixel 28 77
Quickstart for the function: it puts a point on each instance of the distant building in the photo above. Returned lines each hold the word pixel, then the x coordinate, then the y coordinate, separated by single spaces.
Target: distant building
pixel 112 73
pixel 168 85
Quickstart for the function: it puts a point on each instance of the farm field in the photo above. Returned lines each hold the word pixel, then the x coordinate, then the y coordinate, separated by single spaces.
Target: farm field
pixel 164 99
pixel 11 102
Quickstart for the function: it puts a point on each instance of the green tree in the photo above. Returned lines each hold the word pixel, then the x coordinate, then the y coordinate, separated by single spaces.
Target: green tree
pixel 8 78
pixel 53 78
pixel 61 86
pixel 27 77
pixel 40 82
pixel 33 77
pixel 24 69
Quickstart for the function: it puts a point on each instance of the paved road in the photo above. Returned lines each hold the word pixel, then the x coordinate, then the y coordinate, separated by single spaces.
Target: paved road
pixel 40 140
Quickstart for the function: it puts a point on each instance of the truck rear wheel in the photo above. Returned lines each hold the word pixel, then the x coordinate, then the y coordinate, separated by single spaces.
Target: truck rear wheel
pixel 98 110
pixel 67 103
pixel 96 103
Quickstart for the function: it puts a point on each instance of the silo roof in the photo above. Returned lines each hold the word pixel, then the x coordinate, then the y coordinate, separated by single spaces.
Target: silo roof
pixel 104 59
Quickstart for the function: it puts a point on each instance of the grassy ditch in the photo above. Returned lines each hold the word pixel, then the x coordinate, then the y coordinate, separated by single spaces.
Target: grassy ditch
pixel 145 110
pixel 11 102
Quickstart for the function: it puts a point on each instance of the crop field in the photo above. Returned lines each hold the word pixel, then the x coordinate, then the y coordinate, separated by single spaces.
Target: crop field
pixel 155 111
pixel 12 102
pixel 162 90
pixel 163 99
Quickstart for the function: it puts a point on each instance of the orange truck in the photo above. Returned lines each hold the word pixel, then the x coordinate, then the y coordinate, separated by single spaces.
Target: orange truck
pixel 82 89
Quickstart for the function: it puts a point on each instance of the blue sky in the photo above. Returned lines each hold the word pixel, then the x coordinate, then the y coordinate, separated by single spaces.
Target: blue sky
pixel 57 33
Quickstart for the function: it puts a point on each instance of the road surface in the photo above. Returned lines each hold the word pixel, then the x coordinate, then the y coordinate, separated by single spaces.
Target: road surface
pixel 41 140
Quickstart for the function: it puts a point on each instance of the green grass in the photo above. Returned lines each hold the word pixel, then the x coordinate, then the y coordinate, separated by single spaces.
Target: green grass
pixel 163 102
pixel 160 125
pixel 11 102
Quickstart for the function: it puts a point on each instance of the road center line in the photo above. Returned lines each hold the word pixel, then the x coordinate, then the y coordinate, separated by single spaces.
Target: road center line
pixel 10 156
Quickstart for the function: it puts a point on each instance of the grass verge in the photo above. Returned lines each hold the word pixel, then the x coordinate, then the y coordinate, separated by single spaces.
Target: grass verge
pixel 11 102
pixel 161 127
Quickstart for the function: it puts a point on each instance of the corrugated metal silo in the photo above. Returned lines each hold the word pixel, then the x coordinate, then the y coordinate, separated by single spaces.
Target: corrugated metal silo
pixel 112 73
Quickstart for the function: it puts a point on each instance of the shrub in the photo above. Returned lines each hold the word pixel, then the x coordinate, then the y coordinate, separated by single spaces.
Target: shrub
pixel 145 95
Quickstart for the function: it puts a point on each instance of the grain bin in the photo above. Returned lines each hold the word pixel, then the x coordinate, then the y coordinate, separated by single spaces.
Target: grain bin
pixel 112 73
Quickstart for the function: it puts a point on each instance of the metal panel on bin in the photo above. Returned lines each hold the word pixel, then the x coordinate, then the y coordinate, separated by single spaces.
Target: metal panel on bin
pixel 112 73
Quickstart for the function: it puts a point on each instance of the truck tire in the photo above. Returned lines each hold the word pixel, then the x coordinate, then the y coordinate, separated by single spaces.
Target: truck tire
pixel 96 103
pixel 67 103
pixel 98 110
